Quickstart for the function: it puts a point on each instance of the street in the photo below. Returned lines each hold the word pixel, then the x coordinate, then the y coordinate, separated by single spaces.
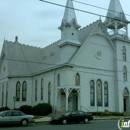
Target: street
pixel 106 125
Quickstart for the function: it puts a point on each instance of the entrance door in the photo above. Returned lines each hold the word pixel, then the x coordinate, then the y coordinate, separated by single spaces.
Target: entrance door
pixel 124 104
pixel 75 101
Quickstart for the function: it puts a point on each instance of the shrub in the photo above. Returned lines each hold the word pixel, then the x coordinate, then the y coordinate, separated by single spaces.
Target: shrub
pixel 26 109
pixel 117 113
pixel 106 113
pixel 4 108
pixel 42 109
pixel 96 113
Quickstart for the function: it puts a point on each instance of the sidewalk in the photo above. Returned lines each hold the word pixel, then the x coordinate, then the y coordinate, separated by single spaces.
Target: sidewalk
pixel 96 118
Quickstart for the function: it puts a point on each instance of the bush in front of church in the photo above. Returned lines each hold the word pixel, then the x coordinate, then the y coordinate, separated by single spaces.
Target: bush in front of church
pixel 26 109
pixel 4 108
pixel 42 109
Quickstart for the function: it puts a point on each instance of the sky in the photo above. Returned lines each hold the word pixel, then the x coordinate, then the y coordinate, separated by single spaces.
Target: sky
pixel 36 23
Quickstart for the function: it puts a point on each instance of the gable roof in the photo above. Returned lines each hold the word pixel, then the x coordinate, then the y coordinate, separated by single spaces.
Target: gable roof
pixel 27 60
pixel 86 31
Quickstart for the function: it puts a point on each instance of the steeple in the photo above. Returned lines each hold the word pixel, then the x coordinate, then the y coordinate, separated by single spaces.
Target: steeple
pixel 116 20
pixel 69 26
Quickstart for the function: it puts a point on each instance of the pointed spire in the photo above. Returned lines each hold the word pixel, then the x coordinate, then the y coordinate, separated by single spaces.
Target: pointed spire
pixel 115 11
pixel 69 16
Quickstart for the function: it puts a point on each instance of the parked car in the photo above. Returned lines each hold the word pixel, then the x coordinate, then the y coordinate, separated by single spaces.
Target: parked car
pixel 74 116
pixel 15 117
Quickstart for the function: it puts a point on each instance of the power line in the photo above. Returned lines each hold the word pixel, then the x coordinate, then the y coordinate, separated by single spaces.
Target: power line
pixel 97 7
pixel 81 10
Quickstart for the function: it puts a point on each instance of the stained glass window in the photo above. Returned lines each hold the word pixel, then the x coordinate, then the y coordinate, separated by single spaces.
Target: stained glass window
pixel 125 73
pixel 106 94
pixel 18 91
pixel 99 93
pixel 124 53
pixel 24 91
pixel 77 80
pixel 92 93
pixel 41 89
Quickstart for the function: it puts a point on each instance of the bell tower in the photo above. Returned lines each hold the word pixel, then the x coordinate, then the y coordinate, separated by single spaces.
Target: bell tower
pixel 116 22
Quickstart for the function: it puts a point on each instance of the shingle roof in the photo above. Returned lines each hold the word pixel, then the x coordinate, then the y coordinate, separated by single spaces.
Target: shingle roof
pixel 27 60
pixel 86 31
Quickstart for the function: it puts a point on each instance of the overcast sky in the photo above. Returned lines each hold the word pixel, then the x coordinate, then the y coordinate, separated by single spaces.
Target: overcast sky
pixel 36 23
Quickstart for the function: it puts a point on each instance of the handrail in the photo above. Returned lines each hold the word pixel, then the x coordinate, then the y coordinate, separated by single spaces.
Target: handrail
pixel 128 108
pixel 61 107
pixel 71 108
pixel 84 108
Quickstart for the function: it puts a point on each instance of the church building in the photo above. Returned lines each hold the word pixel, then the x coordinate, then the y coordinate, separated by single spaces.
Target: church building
pixel 87 69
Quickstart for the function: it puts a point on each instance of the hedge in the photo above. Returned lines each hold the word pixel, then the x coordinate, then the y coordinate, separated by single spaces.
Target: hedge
pixel 42 109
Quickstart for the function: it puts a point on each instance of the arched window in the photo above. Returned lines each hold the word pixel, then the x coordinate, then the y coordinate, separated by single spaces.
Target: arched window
pixel 6 94
pixel 49 93
pixel 18 85
pixel 58 80
pixel 24 91
pixel 92 93
pixel 106 94
pixel 3 95
pixel 99 93
pixel 125 73
pixel 126 92
pixel 36 90
pixel 124 53
pixel 41 89
pixel 77 80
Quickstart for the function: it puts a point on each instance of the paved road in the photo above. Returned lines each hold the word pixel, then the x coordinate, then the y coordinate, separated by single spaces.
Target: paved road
pixel 109 125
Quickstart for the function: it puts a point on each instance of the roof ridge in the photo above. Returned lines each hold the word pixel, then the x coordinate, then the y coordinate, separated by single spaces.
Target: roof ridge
pixel 51 44
pixel 88 25
pixel 22 44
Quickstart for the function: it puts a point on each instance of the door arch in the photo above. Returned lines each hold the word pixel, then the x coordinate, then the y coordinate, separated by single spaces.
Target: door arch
pixel 126 98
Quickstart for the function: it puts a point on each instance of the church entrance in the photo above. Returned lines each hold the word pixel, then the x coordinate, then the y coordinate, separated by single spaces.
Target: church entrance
pixel 126 100
pixel 68 99
pixel 73 100
pixel 124 104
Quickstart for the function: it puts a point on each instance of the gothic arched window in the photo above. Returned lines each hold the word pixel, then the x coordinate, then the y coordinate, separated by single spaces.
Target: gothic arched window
pixel 99 93
pixel 124 53
pixel 3 95
pixel 77 80
pixel 18 91
pixel 92 93
pixel 106 94
pixel 24 91
pixel 41 89
pixel 126 92
pixel 6 94
pixel 125 73
pixel 58 80
pixel 49 93
pixel 36 90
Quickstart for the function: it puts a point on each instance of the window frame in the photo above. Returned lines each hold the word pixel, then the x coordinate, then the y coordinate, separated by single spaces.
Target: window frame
pixel 24 91
pixel 42 89
pixel 77 79
pixel 18 88
pixel 106 94
pixel 99 92
pixel 92 93
pixel 35 90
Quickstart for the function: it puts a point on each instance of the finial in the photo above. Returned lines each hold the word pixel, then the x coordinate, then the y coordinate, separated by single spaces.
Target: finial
pixel 16 39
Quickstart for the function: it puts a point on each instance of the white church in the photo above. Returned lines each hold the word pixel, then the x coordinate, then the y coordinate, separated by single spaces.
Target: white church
pixel 87 69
